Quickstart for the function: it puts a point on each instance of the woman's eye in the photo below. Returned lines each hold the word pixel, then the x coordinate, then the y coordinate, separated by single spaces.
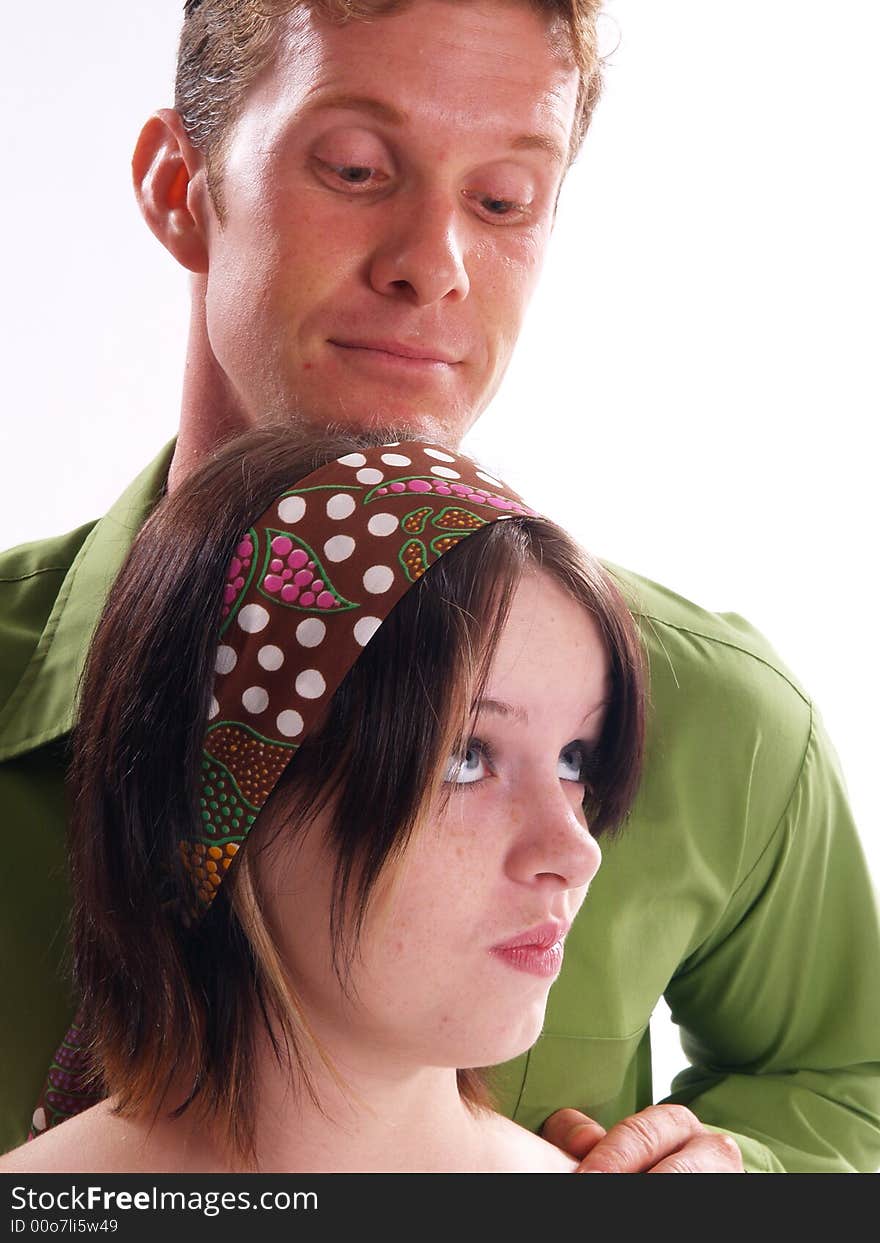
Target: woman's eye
pixel 472 765
pixel 468 767
pixel 574 764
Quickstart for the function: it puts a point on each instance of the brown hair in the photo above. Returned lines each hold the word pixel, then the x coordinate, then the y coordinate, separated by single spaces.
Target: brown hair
pixel 226 44
pixel 162 995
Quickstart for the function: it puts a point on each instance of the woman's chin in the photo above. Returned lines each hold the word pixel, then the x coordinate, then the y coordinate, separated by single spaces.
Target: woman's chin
pixel 506 1042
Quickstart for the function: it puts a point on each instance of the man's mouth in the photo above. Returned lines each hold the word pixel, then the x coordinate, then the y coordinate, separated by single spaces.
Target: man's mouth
pixel 400 352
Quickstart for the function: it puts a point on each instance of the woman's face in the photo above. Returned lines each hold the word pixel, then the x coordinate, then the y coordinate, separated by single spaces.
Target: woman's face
pixel 510 858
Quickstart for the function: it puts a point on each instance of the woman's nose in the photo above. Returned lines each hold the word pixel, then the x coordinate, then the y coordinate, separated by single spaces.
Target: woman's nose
pixel 421 256
pixel 552 841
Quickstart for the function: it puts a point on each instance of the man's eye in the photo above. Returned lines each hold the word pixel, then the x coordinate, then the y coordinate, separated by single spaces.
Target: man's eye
pixel 507 211
pixel 469 766
pixel 500 207
pixel 352 174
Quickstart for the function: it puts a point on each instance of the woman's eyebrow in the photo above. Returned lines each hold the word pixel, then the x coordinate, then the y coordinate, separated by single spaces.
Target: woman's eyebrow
pixel 504 709
pixel 597 708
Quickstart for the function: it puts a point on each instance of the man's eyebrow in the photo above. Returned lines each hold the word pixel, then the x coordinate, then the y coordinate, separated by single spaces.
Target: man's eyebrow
pixel 386 112
pixel 541 142
pixel 358 103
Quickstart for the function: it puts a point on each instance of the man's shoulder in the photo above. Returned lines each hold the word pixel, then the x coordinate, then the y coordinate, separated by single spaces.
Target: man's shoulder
pixel 19 565
pixel 731 640
pixel 31 577
pixel 718 665
pixel 51 595
pixel 729 736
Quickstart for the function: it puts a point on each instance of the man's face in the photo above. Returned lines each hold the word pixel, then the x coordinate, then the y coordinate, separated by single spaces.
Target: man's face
pixel 389 192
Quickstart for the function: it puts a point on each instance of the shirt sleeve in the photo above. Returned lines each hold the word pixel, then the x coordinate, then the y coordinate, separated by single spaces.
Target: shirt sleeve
pixel 779 1009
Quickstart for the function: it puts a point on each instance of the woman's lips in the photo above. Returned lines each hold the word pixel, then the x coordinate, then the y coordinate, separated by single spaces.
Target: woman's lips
pixel 533 959
pixel 537 951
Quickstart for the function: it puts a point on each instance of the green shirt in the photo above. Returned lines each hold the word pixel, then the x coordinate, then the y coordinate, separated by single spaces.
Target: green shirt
pixel 738 890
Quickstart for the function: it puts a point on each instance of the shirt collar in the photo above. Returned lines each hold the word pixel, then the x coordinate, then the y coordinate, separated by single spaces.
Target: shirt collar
pixel 42 707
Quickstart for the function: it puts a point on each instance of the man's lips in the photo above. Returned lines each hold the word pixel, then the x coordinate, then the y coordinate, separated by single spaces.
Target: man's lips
pixel 399 349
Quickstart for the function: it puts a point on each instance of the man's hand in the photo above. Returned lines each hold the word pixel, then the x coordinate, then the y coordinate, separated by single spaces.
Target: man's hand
pixel 662 1139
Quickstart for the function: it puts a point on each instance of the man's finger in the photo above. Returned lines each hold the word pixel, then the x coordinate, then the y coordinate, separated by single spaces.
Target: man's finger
pixel 637 1144
pixel 706 1154
pixel 572 1131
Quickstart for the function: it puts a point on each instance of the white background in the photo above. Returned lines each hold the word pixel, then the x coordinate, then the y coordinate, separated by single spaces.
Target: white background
pixel 698 359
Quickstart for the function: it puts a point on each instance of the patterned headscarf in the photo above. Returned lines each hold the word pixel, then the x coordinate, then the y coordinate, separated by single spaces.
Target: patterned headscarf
pixel 308 585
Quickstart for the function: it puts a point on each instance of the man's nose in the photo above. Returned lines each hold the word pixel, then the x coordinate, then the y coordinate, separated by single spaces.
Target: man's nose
pixel 553 845
pixel 422 256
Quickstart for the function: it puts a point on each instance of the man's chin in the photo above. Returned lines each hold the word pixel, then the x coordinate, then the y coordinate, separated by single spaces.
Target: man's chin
pixel 377 422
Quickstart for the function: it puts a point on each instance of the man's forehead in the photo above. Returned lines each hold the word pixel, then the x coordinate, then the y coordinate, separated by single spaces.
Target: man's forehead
pixel 472 63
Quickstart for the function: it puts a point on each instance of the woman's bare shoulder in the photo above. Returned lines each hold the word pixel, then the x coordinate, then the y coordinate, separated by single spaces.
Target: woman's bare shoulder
pixel 515 1150
pixel 96 1141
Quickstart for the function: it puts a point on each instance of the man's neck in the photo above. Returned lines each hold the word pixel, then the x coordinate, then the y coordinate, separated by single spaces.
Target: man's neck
pixel 209 413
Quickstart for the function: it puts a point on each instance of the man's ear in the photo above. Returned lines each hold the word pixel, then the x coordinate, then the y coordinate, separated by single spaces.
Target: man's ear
pixel 170 184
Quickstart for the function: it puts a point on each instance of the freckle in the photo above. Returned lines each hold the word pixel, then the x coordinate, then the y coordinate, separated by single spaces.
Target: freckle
pixel 307 366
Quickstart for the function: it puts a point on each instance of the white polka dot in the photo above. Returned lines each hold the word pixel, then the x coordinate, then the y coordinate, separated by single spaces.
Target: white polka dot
pixel 253 618
pixel 226 659
pixel 339 548
pixel 270 657
pixel 289 723
pixel 445 472
pixel 39 1119
pixel 441 457
pixel 366 628
pixel 382 524
pixel 342 505
pixel 352 459
pixel 391 444
pixel 378 578
pixel 310 684
pixel 481 474
pixel 255 699
pixel 291 509
pixel 213 708
pixel 396 459
pixel 370 475
pixel 311 632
